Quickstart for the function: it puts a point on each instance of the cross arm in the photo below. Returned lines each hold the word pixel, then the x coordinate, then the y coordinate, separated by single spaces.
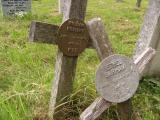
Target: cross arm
pixel 99 38
pixel 95 109
pixel 43 32
pixel 46 33
pixel 91 113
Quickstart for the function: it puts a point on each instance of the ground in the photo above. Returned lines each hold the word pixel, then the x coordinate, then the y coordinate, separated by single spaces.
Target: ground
pixel 27 69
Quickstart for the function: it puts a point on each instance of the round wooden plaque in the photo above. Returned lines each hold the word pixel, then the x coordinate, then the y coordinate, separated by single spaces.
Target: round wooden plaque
pixel 117 78
pixel 73 37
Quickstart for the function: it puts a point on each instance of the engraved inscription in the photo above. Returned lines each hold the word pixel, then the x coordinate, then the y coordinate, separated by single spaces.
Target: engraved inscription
pixel 113 68
pixel 73 43
pixel 72 50
pixel 117 78
pixel 74 29
pixel 73 37
pixel 76 24
pixel 11 7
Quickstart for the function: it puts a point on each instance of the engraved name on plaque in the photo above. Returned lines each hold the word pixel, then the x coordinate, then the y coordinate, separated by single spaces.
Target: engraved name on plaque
pixel 117 78
pixel 11 7
pixel 73 37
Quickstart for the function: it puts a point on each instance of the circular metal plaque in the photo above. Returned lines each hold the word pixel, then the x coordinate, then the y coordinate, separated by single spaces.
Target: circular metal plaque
pixel 117 78
pixel 73 37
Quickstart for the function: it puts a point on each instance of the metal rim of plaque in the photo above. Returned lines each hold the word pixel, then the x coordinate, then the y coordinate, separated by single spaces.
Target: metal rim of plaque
pixel 117 78
pixel 72 37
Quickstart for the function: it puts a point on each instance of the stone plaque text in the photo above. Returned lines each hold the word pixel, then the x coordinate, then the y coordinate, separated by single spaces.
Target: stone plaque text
pixel 117 78
pixel 12 7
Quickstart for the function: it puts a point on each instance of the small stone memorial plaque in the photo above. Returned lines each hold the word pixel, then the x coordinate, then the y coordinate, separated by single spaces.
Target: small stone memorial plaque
pixel 73 37
pixel 117 78
pixel 12 7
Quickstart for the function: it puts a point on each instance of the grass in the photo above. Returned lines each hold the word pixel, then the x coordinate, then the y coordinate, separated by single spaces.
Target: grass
pixel 26 69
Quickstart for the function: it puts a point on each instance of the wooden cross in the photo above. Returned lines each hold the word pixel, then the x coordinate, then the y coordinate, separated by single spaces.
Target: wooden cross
pixel 96 29
pixel 100 104
pixel 65 66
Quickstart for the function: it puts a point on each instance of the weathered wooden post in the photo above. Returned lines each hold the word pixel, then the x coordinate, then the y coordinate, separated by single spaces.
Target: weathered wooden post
pixel 150 36
pixel 98 36
pixel 62 6
pixel 60 3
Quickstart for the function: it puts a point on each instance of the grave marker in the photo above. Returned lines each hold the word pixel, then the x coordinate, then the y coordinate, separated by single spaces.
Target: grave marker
pixel 117 78
pixel 12 7
pixel 150 37
pixel 73 37
pixel 99 38
pixel 65 65
pixel 102 103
